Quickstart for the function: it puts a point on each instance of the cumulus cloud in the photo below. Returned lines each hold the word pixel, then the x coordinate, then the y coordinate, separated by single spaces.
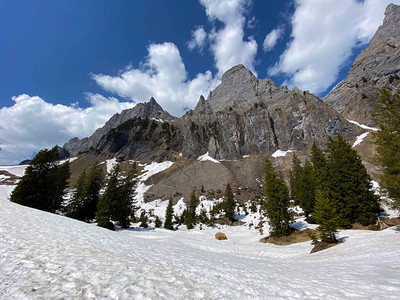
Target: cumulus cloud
pixel 32 123
pixel 323 37
pixel 162 76
pixel 228 44
pixel 272 38
pixel 199 38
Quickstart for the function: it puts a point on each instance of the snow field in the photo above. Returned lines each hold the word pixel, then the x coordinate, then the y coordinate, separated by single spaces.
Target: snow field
pixel 44 255
pixel 206 157
pixel 280 153
pixel 49 256
pixel 15 170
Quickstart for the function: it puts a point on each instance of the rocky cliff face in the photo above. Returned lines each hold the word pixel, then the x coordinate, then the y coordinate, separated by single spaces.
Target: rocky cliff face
pixel 376 67
pixel 150 110
pixel 243 115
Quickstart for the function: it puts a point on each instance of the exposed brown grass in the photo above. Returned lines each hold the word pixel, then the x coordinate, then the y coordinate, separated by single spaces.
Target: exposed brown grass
pixel 298 236
pixel 11 180
pixel 392 222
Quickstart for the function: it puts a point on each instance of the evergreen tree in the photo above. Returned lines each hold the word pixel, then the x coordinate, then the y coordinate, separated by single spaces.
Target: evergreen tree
pixel 306 193
pixel 83 204
pixel 295 175
pixel 190 217
pixel 43 183
pixel 349 184
pixel 107 202
pixel 143 220
pixel 59 177
pixel 387 117
pixel 157 222
pixel 229 203
pixel 319 164
pixel 121 210
pixel 277 204
pixel 168 216
pixel 326 216
pixel 75 208
pixel 94 183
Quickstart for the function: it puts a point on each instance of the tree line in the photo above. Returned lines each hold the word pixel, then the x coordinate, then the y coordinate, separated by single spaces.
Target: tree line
pixel 333 189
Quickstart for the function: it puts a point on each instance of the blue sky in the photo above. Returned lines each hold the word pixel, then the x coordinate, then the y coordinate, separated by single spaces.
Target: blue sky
pixel 67 66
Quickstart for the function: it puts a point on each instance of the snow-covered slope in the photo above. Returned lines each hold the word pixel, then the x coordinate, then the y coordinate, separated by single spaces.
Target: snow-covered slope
pixel 43 255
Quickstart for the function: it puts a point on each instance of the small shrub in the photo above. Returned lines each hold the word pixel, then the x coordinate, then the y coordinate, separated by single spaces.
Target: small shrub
pixel 157 222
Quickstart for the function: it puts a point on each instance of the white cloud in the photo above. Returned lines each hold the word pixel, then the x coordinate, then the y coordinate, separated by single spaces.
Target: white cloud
pixel 272 38
pixel 323 37
pixel 162 76
pixel 252 22
pixel 199 38
pixel 32 123
pixel 228 44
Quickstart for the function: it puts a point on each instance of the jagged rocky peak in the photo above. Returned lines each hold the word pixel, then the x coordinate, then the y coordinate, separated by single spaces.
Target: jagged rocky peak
pixel 202 106
pixel 151 110
pixel 239 88
pixel 376 67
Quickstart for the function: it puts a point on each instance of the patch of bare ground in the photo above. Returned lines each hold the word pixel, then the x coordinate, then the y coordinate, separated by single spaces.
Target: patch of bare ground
pixel 380 224
pixel 297 236
pixel 322 246
pixel 391 222
pixel 10 179
pixel 359 226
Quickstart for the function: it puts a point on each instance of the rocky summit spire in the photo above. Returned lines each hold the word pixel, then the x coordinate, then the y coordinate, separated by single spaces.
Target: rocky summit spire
pixel 237 89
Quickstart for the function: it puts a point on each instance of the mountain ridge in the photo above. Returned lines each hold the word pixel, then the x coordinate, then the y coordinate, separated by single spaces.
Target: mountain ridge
pixel 374 68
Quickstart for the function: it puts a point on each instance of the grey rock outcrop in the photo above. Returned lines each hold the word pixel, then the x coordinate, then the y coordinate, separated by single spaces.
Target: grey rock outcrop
pixel 376 67
pixel 151 110
pixel 246 115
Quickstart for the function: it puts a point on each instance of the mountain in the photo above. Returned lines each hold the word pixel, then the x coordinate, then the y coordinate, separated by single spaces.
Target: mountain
pixel 243 115
pixel 376 67
pixel 150 109
pixel 245 119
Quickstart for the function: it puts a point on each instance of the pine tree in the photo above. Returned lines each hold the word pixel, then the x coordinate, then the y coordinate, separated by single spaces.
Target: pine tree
pixel 43 183
pixel 122 207
pixel 349 184
pixel 168 216
pixel 229 203
pixel 107 202
pixel 319 164
pixel 190 217
pixel 157 222
pixel 83 204
pixel 295 175
pixel 306 193
pixel 277 204
pixel 75 208
pixel 143 220
pixel 94 183
pixel 387 117
pixel 326 216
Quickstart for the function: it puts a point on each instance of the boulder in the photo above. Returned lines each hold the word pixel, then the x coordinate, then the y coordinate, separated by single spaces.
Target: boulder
pixel 220 236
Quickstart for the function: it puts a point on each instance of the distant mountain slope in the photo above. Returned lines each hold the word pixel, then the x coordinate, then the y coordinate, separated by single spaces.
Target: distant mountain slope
pixel 377 66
